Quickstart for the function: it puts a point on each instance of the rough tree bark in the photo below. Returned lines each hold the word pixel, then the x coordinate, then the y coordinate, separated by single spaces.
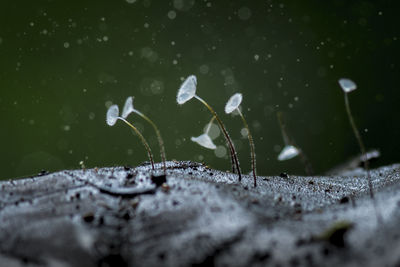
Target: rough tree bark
pixel 197 216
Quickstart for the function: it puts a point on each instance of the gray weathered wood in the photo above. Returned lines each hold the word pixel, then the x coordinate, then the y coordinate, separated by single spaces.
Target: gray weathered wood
pixel 199 217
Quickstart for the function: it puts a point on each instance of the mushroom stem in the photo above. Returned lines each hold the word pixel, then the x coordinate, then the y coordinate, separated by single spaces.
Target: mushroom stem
pixel 285 137
pixel 209 125
pixel 159 138
pixel 360 143
pixel 146 145
pixel 234 158
pixel 290 142
pixel 252 147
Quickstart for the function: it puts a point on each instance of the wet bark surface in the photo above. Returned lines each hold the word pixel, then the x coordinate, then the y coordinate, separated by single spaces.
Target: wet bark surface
pixel 196 216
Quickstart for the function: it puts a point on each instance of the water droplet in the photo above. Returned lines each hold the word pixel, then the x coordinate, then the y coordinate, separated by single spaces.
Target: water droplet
pixel 244 13
pixel 244 132
pixel 171 14
pixel 220 152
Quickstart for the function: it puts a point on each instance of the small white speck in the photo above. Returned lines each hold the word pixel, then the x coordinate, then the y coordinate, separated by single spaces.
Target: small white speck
pixel 108 103
pixel 174 61
pixel 105 38
pixel 146 25
pixel 244 132
pixel 66 45
pixel 204 69
pixel 220 151
pixel 256 57
pixel 171 14
pixel 244 13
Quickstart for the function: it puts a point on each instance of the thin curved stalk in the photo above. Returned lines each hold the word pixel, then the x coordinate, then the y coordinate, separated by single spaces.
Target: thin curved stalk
pixel 364 156
pixel 360 143
pixel 228 139
pixel 252 147
pixel 146 145
pixel 159 138
pixel 303 158
pixel 230 149
pixel 285 137
pixel 209 125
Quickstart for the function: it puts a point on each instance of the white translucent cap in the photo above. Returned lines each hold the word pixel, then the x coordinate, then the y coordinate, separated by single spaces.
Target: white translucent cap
pixel 128 107
pixel 112 115
pixel 204 140
pixel 347 85
pixel 288 152
pixel 187 90
pixel 233 103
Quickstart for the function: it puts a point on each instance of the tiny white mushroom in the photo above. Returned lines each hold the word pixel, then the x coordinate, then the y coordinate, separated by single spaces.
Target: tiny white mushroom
pixel 112 115
pixel 205 141
pixel 347 85
pixel 187 90
pixel 128 107
pixel 233 103
pixel 288 152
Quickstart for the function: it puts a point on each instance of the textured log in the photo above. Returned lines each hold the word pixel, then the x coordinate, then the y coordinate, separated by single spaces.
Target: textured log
pixel 197 216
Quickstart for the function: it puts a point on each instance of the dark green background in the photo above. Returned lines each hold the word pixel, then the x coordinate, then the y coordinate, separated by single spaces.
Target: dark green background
pixel 63 62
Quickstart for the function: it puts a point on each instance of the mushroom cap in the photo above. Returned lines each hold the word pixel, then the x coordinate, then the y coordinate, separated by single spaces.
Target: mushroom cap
pixel 347 85
pixel 233 103
pixel 288 152
pixel 128 107
pixel 112 115
pixel 205 141
pixel 187 90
